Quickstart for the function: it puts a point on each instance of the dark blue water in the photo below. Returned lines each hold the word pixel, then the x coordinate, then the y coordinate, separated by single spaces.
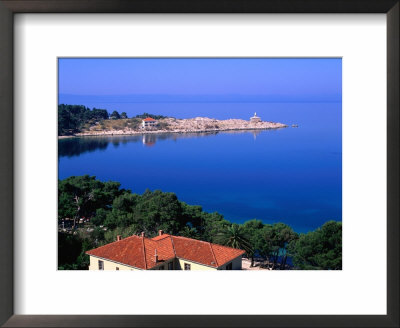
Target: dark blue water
pixel 291 175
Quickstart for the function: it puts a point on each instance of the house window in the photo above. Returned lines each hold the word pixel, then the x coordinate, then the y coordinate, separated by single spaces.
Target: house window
pixel 171 266
pixel 161 267
pixel 187 266
pixel 229 266
pixel 117 268
pixel 101 265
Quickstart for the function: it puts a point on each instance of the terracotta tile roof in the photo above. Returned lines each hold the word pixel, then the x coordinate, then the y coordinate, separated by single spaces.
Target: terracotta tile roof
pixel 194 250
pixel 164 249
pixel 140 252
pixel 225 254
pixel 149 119
pixel 161 237
pixel 204 252
pixel 127 251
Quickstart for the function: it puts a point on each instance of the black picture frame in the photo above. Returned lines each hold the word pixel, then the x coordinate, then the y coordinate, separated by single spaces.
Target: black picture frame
pixel 10 7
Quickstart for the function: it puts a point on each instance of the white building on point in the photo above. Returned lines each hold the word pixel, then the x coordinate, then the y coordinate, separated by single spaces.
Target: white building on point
pixel 255 118
pixel 148 121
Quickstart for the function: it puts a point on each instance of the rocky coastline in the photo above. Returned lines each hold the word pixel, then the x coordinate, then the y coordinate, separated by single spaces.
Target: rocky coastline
pixel 192 125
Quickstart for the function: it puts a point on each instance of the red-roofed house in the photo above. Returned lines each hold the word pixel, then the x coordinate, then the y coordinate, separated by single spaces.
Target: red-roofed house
pixel 164 252
pixel 148 121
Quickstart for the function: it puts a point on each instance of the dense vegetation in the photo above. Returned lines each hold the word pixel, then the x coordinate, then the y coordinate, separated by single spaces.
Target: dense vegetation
pixel 73 118
pixel 156 117
pixel 77 118
pixel 113 211
pixel 320 249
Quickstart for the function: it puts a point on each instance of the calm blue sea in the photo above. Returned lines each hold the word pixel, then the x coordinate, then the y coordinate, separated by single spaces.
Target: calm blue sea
pixel 291 175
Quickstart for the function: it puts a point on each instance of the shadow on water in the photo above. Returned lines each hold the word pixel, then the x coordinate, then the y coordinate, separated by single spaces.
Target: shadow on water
pixel 71 147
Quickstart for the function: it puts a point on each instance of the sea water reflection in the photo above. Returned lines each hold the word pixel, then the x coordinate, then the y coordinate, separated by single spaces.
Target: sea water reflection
pixel 284 175
pixel 75 146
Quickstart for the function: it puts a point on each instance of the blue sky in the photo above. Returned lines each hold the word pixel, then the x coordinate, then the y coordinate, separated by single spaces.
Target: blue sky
pixel 195 78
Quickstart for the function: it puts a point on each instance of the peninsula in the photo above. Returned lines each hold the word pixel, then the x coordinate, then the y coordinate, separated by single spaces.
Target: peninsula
pixel 172 125
pixel 81 121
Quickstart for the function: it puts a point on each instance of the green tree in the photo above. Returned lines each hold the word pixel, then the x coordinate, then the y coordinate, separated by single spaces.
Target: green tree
pixel 74 118
pixel 160 211
pixel 115 115
pixel 193 217
pixel 213 226
pixel 253 229
pixel 320 249
pixel 156 117
pixel 189 232
pixel 124 115
pixel 235 237
pixel 151 212
pixel 276 238
pixel 82 196
pixel 122 212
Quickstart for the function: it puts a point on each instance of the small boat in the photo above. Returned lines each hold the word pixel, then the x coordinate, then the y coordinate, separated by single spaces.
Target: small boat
pixel 295 126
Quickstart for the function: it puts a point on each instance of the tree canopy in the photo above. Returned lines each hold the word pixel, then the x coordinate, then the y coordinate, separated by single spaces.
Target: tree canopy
pixel 235 237
pixel 72 118
pixel 115 115
pixel 320 249
pixel 82 196
pixel 156 117
pixel 114 211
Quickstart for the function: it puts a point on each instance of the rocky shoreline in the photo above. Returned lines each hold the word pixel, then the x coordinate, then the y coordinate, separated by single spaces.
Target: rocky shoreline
pixel 193 125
